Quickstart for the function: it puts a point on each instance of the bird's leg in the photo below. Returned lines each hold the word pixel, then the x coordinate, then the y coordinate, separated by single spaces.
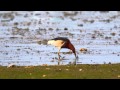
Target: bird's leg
pixel 59 55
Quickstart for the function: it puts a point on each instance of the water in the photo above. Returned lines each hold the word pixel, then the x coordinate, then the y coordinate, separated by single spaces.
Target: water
pixel 19 44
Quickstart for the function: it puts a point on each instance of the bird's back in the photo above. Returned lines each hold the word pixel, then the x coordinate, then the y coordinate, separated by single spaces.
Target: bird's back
pixel 59 42
pixel 61 38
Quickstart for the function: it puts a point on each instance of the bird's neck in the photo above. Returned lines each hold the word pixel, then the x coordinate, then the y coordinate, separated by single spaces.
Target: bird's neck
pixel 70 46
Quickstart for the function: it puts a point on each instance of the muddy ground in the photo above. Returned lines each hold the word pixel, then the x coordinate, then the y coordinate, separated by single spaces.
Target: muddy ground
pixel 24 36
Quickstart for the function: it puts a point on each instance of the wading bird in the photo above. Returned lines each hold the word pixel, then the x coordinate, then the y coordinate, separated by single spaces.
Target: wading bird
pixel 62 42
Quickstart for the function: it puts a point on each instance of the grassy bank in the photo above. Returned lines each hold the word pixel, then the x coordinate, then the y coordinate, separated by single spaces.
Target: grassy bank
pixel 105 71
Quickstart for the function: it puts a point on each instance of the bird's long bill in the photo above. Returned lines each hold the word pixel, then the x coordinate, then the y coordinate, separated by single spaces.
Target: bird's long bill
pixel 76 59
pixel 76 56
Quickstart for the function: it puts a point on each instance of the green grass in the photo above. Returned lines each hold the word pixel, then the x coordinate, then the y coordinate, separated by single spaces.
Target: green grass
pixel 105 71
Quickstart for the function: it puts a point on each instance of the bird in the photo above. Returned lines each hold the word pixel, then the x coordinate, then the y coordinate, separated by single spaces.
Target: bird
pixel 62 42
